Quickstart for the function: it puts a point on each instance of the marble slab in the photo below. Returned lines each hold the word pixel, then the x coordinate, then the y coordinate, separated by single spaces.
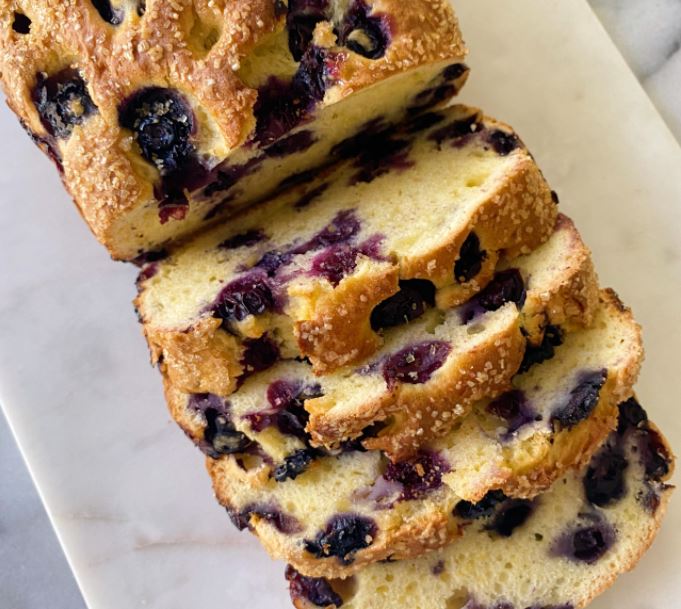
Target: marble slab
pixel 126 492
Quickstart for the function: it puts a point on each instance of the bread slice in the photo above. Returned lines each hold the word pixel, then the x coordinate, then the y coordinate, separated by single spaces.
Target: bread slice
pixel 320 271
pixel 163 116
pixel 299 505
pixel 560 287
pixel 559 551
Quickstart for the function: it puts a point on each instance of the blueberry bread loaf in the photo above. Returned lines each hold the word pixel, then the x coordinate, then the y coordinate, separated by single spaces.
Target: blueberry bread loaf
pixel 557 552
pixel 553 286
pixel 420 217
pixel 162 116
pixel 374 509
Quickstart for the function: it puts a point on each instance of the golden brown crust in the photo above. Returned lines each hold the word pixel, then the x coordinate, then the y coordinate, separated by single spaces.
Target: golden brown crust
pixel 166 47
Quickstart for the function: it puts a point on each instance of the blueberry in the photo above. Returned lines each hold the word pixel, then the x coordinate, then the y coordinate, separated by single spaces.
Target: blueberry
pixel 201 402
pixel 370 135
pixel 506 286
pixel 536 354
pixel 415 364
pixel 107 12
pixel 301 20
pixel 150 256
pixel 343 537
pixel 248 295
pixel 422 122
pixel 582 400
pixel 382 155
pixel 295 464
pixel 515 409
pixel 364 34
pixel 414 296
pixel 272 261
pixel 259 354
pixel 469 262
pixel 315 590
pixel 418 475
pixel 631 416
pixel 228 176
pixel 284 523
pixel 604 481
pixel 511 514
pixel 221 435
pixel 457 129
pixel 163 123
pixel 482 509
pixel 296 179
pixel 654 455
pixel 21 23
pixel 62 101
pixel 587 543
pixel 335 263
pixel 502 142
pixel 245 239
pixel 454 71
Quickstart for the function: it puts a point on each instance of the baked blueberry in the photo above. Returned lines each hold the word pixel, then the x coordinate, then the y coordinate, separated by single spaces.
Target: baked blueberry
pixel 295 464
pixel 343 537
pixel 163 123
pixel 457 129
pixel 221 435
pixel 315 590
pixel 296 142
pixel 248 295
pixel 515 409
pixel 418 475
pixel 469 262
pixel 365 34
pixel 582 399
pixel 245 239
pixel 62 101
pixel 414 296
pixel 483 508
pixel 502 142
pixel 586 543
pixel 301 20
pixel 604 481
pixel 536 354
pixel 284 523
pixel 508 516
pixel 335 263
pixel 415 364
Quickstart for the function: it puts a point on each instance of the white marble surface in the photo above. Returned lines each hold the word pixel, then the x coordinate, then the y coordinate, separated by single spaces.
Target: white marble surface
pixel 125 490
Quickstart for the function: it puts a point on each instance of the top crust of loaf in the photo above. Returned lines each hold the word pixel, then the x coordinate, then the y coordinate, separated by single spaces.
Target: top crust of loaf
pixel 102 167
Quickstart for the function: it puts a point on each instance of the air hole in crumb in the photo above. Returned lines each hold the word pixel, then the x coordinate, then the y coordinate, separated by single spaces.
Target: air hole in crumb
pixel 475 329
pixel 203 36
pixel 474 182
pixel 21 23
pixel 457 600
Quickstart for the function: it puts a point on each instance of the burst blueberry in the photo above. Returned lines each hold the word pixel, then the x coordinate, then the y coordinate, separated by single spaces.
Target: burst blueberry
pixel 107 12
pixel 582 399
pixel 343 537
pixel 248 295
pixel 469 262
pixel 414 296
pixel 315 590
pixel 415 364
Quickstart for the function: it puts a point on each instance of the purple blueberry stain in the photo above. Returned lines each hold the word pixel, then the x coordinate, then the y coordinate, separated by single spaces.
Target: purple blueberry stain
pixel 471 257
pixel 315 590
pixel 536 354
pixel 62 101
pixel 515 409
pixel 438 568
pixel 418 475
pixel 107 12
pixel 21 23
pixel 292 144
pixel 587 542
pixel 415 364
pixel 250 294
pixel 284 523
pixel 335 263
pixel 582 399
pixel 248 238
pixel 510 515
pixel 310 196
pixel 228 176
pixel 409 303
pixel 343 537
pixel 343 227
